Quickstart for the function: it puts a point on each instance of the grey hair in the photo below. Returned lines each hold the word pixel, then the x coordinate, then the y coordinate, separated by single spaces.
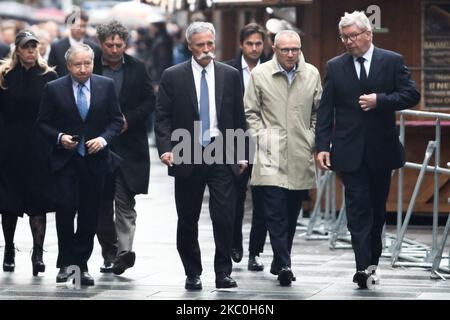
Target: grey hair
pixel 199 27
pixel 78 48
pixel 288 33
pixel 356 17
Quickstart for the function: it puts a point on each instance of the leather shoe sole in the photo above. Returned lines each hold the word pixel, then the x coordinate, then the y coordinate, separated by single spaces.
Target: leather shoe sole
pixel 123 262
pixel 106 268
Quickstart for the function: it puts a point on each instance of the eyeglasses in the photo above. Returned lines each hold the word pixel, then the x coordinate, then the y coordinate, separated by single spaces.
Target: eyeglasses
pixel 352 37
pixel 287 50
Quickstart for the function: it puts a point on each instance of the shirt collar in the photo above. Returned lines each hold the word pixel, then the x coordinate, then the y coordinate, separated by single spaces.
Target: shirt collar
pixel 104 64
pixel 368 55
pixel 282 70
pixel 199 68
pixel 244 63
pixel 74 42
pixel 87 84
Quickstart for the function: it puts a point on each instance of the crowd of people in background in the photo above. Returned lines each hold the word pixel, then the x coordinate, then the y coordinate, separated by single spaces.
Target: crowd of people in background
pixel 79 104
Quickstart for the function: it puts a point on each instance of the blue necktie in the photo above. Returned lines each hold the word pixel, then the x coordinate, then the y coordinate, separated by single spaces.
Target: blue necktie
pixel 82 106
pixel 205 139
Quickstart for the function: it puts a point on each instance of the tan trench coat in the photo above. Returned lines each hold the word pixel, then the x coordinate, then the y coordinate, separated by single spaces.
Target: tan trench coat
pixel 281 120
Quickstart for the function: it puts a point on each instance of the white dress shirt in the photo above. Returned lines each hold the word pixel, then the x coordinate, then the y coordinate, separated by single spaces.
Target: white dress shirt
pixel 210 79
pixel 246 71
pixel 73 42
pixel 368 58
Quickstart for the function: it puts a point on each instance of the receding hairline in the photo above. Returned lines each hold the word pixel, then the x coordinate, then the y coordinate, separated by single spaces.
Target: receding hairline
pixel 287 34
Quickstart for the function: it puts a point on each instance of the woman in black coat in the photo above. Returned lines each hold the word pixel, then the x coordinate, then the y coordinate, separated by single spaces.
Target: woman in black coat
pixel 25 179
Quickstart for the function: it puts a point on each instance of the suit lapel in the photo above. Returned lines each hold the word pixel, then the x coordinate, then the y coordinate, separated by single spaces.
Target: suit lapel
pixel 94 89
pixel 189 76
pixel 219 82
pixel 349 68
pixel 70 94
pixel 375 64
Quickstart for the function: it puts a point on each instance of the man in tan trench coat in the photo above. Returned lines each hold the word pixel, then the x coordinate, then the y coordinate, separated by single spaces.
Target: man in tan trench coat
pixel 281 101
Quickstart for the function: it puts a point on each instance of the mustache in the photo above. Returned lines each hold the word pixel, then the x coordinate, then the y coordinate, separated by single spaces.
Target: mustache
pixel 208 55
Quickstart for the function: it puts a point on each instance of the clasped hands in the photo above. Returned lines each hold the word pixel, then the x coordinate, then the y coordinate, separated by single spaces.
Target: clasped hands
pixel 92 146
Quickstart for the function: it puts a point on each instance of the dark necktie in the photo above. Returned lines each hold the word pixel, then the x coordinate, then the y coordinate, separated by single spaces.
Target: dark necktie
pixel 83 109
pixel 204 110
pixel 362 73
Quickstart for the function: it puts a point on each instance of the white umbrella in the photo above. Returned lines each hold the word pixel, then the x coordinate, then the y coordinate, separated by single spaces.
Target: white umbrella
pixel 134 14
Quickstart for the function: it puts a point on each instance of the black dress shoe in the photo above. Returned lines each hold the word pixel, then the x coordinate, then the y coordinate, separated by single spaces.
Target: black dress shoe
pixel 8 259
pixel 124 261
pixel 37 261
pixel 236 254
pixel 62 275
pixel 275 270
pixel 107 267
pixel 361 278
pixel 193 283
pixel 223 280
pixel 86 279
pixel 285 276
pixel 255 264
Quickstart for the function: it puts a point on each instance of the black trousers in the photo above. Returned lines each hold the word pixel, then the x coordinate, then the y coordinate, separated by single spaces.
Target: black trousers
pixel 366 194
pixel 258 229
pixel 80 193
pixel 281 208
pixel 189 197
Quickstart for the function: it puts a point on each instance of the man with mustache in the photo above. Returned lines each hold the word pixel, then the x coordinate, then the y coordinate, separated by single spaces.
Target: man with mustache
pixel 209 91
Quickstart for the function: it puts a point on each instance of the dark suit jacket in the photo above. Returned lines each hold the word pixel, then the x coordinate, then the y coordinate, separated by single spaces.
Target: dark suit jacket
pixel 177 108
pixel 358 135
pixel 58 50
pixel 137 101
pixel 4 50
pixel 237 64
pixel 59 114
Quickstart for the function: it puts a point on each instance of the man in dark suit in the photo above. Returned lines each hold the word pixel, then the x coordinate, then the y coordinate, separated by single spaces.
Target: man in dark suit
pixel 80 115
pixel 4 50
pixel 363 89
pixel 77 22
pixel 251 54
pixel 137 100
pixel 209 91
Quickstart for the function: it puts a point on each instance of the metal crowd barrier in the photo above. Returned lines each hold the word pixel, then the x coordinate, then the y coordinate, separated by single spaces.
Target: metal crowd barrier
pixel 417 254
pixel 324 225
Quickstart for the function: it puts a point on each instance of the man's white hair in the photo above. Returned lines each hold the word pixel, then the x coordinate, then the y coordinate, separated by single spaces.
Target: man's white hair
pixel 356 17
pixel 287 33
pixel 199 27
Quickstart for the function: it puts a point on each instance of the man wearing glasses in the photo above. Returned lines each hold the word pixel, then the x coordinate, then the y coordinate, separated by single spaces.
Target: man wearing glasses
pixel 280 102
pixel 356 132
